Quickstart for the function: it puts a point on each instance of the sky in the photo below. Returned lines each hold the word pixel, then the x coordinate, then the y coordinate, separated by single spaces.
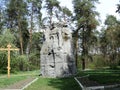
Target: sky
pixel 106 7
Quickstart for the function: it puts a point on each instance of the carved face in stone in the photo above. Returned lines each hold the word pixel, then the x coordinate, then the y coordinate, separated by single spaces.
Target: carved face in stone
pixel 58 60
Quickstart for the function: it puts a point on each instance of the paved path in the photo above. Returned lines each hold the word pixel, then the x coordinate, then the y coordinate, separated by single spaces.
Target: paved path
pixel 20 85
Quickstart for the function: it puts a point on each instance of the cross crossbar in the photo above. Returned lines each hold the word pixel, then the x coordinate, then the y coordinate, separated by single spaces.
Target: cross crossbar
pixel 4 49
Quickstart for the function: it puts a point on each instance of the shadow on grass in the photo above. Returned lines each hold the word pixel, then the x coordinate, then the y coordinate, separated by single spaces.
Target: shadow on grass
pixel 100 71
pixel 102 76
pixel 107 79
pixel 64 84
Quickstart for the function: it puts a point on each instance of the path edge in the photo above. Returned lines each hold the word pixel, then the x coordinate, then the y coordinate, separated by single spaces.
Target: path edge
pixel 29 83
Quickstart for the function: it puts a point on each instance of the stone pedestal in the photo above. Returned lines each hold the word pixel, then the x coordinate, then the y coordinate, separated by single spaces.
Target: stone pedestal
pixel 57 59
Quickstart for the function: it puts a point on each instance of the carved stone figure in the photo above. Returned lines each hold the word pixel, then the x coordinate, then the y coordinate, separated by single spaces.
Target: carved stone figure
pixel 57 59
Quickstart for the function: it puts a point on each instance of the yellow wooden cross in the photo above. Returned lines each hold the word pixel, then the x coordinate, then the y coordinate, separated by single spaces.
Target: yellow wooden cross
pixel 8 49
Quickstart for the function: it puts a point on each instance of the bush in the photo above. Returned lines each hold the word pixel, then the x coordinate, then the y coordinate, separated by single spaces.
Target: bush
pixel 98 62
pixel 22 62
pixel 34 60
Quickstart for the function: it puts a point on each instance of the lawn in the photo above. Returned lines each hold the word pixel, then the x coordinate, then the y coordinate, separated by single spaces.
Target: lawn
pixel 41 83
pixel 102 76
pixel 54 84
pixel 4 82
pixel 106 78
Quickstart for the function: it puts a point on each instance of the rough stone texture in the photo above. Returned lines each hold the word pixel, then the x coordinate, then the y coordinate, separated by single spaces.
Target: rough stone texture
pixel 57 59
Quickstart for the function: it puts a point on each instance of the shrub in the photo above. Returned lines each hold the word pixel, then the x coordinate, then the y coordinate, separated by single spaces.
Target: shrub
pixel 98 62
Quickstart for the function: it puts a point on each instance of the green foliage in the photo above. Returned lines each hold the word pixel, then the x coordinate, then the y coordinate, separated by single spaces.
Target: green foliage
pixel 16 21
pixel 50 4
pixel 34 56
pixel 67 14
pixel 98 62
pixel 34 10
pixel 37 36
pixel 3 62
pixel 6 38
pixel 53 8
pixel 86 24
pixel 66 11
pixel 113 64
pixel 19 18
pixel 34 61
pixel 15 13
pixel 22 62
pixel 109 41
pixel 110 20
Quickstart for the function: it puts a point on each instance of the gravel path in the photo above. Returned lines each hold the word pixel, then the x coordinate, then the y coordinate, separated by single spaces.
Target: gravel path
pixel 19 85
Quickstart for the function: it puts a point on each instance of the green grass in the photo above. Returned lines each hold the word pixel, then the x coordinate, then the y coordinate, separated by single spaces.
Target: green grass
pixel 9 81
pixel 35 72
pixel 54 84
pixel 41 83
pixel 103 76
pixel 5 81
pixel 106 78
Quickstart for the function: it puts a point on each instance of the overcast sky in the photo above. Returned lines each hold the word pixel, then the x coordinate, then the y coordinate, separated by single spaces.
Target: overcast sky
pixel 106 7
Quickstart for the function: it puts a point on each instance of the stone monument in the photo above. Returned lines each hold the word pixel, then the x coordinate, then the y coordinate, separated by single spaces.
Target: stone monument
pixel 57 58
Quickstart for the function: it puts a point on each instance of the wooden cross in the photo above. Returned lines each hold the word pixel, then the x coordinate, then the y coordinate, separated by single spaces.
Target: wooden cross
pixel 8 49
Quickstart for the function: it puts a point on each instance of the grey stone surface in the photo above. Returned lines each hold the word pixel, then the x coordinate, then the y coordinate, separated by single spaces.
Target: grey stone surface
pixel 57 59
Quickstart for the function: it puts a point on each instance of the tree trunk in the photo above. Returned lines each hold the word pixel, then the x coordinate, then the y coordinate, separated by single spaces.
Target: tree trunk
pixel 21 39
pixel 76 49
pixel 21 42
pixel 83 49
pixel 31 29
pixel 83 63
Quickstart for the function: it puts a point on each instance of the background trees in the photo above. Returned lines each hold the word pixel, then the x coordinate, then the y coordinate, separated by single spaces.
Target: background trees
pixel 17 22
pixel 15 17
pixel 86 23
pixel 52 6
pixel 110 41
pixel 22 20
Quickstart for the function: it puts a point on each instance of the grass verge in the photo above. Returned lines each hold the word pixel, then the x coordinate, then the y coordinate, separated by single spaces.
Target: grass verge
pixel 4 82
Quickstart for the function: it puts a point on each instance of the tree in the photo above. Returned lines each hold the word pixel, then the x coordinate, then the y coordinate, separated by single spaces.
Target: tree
pixel 34 11
pixel 1 20
pixel 66 14
pixel 17 22
pixel 112 39
pixel 118 8
pixel 3 4
pixel 85 22
pixel 52 6
pixel 34 57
